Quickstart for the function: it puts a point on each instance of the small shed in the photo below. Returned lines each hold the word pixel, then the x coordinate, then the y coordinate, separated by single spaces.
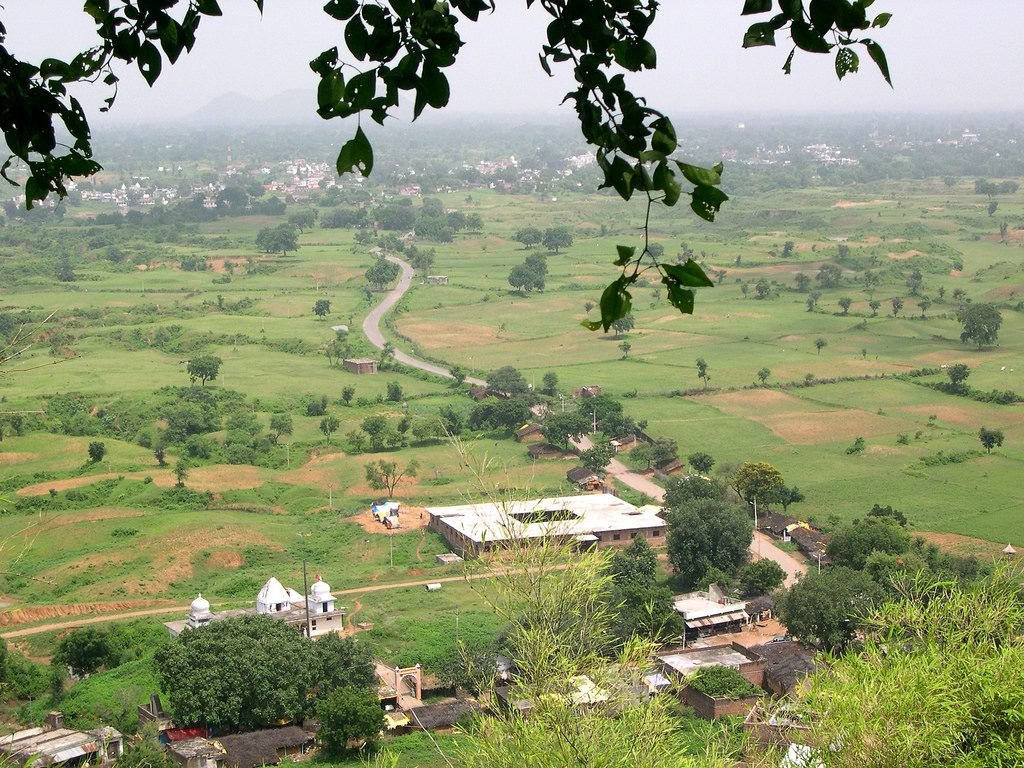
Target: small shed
pixel 531 431
pixel 584 478
pixel 360 365
pixel 197 753
pixel 437 279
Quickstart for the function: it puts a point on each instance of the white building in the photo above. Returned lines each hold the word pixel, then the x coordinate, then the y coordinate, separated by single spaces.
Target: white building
pixel 280 602
pixel 592 520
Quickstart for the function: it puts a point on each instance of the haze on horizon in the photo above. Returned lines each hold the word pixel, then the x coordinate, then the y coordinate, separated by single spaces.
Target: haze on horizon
pixel 942 58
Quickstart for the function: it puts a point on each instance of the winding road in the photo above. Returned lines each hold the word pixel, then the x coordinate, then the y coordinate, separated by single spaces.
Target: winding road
pixel 760 547
pixel 371 325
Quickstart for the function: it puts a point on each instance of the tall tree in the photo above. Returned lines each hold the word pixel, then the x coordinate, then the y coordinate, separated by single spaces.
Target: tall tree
pixel 386 475
pixel 981 323
pixel 322 308
pixel 203 367
pixel 702 371
pixel 990 438
pixel 826 609
pixel 757 480
pixel 708 535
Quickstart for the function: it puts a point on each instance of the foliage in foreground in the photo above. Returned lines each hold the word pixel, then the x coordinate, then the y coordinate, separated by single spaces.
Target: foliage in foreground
pixel 939 682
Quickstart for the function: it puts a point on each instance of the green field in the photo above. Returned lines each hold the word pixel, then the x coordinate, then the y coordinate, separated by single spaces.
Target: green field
pixel 120 334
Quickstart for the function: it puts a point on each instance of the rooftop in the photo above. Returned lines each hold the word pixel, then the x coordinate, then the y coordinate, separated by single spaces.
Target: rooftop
pixel 688 662
pixel 559 516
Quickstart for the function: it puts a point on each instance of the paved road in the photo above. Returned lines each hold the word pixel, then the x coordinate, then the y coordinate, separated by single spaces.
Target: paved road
pixel 371 325
pixel 760 547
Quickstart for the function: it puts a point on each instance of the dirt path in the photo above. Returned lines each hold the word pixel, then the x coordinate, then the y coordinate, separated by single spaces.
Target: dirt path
pixel 184 609
pixel 371 325
pixel 419 545
pixel 70 623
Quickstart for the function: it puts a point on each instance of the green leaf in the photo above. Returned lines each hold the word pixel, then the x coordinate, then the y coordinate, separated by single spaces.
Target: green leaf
pixel 616 302
pixel 756 6
pixel 666 181
pixel 149 62
pixel 881 20
pixel 846 61
pixel 698 176
pixel 706 201
pixel 689 274
pixel 357 39
pixel 356 155
pixel 878 56
pixel 679 297
pixel 807 38
pixel 664 138
pixel 341 9
pixel 35 189
pixel 788 66
pixel 209 8
pixel 762 33
pixel 626 254
pixel 435 86
pixel 330 91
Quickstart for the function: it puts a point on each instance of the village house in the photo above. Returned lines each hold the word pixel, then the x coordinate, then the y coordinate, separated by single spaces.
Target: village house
pixel 584 479
pixel 360 365
pixel 197 752
pixel 264 747
pixel 596 520
pixel 710 613
pixel 53 744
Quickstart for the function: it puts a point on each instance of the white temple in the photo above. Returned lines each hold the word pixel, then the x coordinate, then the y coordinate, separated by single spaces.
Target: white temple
pixel 318 611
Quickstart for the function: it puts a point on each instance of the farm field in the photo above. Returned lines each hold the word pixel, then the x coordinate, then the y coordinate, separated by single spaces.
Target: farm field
pixel 120 337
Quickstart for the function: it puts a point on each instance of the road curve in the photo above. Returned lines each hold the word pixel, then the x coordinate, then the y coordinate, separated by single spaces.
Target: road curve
pixel 371 325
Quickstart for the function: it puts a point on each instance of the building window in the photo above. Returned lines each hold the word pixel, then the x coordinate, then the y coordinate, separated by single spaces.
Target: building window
pixel 616 537
pixel 657 532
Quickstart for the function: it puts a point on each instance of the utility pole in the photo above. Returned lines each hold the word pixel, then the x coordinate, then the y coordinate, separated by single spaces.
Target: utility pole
pixel 330 495
pixel 305 588
pixel 755 529
pixel 288 450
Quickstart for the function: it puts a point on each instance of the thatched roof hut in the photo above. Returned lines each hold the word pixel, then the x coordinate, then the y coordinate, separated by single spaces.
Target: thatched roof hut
pixel 266 747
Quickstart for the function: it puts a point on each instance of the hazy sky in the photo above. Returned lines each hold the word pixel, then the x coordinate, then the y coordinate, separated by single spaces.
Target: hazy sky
pixel 943 54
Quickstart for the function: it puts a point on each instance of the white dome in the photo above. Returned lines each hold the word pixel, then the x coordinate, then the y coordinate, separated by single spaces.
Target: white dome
pixel 200 605
pixel 272 593
pixel 320 588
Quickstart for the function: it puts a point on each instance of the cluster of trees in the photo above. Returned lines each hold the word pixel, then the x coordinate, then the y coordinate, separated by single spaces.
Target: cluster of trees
pixel 280 239
pixel 552 238
pixel 255 671
pixel 869 557
pixel 530 275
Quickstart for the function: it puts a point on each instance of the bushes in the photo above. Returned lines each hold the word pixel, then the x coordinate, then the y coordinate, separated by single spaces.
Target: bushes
pixel 723 683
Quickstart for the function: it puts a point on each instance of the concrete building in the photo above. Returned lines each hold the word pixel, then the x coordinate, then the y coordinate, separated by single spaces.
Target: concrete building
pixel 597 520
pixel 278 601
pixel 709 613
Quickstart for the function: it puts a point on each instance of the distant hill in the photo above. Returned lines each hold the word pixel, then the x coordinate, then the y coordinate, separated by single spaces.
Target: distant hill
pixel 294 107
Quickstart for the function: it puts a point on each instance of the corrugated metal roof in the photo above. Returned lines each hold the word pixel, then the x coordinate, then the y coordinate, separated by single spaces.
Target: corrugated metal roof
pixel 722 618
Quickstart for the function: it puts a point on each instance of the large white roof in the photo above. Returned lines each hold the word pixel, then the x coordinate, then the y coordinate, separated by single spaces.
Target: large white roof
pixel 582 515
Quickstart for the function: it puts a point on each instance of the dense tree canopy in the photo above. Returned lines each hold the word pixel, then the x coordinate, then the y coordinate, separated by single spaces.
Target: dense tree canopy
pixel 707 537
pixel 404 49
pixel 981 323
pixel 253 671
pixel 826 608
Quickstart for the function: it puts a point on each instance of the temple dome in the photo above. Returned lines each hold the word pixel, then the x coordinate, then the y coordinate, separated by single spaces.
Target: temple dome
pixel 320 589
pixel 273 592
pixel 200 606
